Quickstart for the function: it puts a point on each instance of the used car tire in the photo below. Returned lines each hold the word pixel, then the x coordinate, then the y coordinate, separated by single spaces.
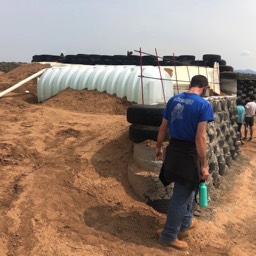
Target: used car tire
pixel 140 133
pixel 226 68
pixel 151 115
pixel 211 57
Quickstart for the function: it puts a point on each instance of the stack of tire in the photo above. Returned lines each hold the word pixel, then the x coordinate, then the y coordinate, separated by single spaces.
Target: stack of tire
pixel 97 59
pixel 227 72
pixel 94 59
pixel 246 88
pixel 222 135
pixel 142 172
pixel 181 60
pixel 169 60
pixel 47 58
pixel 185 59
pixel 208 60
pixel 145 121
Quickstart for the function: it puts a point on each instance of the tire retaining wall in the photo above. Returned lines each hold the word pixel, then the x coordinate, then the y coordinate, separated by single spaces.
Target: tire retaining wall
pixel 246 88
pixel 223 149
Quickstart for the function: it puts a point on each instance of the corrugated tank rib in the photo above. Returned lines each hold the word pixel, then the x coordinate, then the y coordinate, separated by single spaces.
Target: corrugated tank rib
pixel 123 81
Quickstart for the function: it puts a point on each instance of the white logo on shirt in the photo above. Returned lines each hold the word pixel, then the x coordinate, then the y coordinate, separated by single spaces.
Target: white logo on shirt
pixel 177 112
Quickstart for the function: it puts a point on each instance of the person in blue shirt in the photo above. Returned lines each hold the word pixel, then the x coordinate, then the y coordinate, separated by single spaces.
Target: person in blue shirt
pixel 240 116
pixel 185 163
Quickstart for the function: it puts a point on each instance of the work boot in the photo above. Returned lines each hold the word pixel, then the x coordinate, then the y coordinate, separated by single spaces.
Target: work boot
pixel 184 233
pixel 177 244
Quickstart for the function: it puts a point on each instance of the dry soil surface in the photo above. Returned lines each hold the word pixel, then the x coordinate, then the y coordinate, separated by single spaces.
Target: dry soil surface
pixel 64 188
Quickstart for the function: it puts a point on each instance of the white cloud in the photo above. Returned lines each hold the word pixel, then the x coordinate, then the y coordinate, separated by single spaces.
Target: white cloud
pixel 245 53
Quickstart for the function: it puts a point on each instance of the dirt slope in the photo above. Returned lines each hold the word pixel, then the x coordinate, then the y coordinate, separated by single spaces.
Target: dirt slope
pixel 64 189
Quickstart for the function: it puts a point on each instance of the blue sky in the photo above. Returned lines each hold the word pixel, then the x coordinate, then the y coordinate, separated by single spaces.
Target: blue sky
pixel 180 27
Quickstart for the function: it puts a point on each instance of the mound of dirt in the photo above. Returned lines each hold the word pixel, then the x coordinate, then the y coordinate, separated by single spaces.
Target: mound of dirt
pixel 64 188
pixel 81 101
pixel 18 74
pixel 8 66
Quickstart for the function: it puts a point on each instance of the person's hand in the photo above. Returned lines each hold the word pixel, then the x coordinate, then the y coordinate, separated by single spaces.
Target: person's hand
pixel 159 153
pixel 204 172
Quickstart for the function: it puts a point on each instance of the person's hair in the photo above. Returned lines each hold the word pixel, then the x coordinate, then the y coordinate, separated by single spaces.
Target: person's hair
pixel 239 101
pixel 199 81
pixel 251 97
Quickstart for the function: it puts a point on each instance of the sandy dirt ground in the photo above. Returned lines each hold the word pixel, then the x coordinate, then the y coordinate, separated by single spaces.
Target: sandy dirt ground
pixel 64 188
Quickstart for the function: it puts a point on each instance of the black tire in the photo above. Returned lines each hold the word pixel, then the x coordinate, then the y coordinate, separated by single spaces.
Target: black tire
pixel 222 62
pixel 226 68
pixel 56 58
pixel 134 59
pixel 183 58
pixel 95 58
pixel 70 59
pixel 149 58
pixel 228 75
pixel 211 57
pixel 151 115
pixel 82 56
pixel 106 57
pixel 169 57
pixel 47 57
pixel 200 63
pixel 172 63
pixel 119 57
pixel 36 58
pixel 140 133
pixel 85 61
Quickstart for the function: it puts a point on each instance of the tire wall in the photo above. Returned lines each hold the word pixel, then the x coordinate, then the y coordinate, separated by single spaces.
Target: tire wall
pixel 246 88
pixel 222 138
pixel 223 149
pixel 228 86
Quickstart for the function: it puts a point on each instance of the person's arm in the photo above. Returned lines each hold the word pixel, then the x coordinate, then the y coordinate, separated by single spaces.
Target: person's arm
pixel 201 147
pixel 160 139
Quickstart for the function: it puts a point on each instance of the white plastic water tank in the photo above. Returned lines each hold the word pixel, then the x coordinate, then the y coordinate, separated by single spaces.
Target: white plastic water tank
pixel 123 81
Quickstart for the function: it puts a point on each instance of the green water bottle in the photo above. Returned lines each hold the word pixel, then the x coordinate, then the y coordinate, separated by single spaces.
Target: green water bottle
pixel 203 195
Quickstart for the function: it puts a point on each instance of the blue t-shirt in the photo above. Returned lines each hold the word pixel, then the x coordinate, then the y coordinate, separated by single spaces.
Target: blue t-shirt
pixel 183 112
pixel 240 113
